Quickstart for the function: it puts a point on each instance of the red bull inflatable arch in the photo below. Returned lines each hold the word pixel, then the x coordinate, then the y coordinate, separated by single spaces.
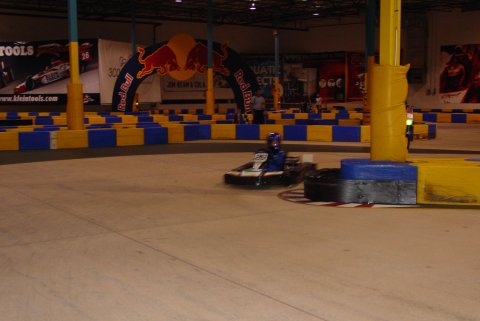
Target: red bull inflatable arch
pixel 181 58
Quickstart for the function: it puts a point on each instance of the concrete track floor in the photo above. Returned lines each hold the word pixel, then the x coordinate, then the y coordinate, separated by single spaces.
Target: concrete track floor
pixel 158 236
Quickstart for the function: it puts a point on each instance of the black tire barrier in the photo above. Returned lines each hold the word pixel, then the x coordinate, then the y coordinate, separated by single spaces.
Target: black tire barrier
pixel 16 122
pixel 325 185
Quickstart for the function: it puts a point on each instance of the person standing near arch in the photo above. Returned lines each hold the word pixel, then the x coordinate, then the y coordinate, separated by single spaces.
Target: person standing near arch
pixel 258 107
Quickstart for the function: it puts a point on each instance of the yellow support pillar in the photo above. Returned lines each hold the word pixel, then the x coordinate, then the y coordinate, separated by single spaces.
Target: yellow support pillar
pixel 75 108
pixel 210 93
pixel 276 94
pixel 388 90
pixel 390 27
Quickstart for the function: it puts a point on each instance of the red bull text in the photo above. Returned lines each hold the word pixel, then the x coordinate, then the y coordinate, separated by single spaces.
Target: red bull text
pixel 123 92
pixel 244 87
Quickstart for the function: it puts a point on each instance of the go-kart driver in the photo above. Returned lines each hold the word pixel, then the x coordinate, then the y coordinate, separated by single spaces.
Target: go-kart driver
pixel 276 156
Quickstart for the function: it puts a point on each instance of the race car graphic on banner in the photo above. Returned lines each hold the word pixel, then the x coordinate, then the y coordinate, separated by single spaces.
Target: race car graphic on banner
pixel 38 72
pixel 460 73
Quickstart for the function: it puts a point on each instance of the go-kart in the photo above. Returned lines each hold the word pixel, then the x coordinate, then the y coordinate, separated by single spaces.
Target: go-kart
pixel 255 173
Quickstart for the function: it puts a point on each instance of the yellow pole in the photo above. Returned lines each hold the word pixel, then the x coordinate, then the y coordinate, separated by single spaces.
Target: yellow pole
pixel 388 90
pixel 75 107
pixel 390 19
pixel 276 94
pixel 210 93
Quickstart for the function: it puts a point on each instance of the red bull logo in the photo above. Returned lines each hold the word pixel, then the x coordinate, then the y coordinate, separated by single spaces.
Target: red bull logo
pixel 197 60
pixel 181 58
pixel 164 60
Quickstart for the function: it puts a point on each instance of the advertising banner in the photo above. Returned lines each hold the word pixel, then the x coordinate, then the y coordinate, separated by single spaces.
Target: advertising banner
pixel 38 72
pixel 460 73
pixel 113 55
pixel 197 83
pixel 331 77
pixel 264 69
pixel 331 69
pixel 356 76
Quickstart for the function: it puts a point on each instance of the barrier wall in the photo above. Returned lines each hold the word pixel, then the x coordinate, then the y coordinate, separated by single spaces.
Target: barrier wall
pixel 55 137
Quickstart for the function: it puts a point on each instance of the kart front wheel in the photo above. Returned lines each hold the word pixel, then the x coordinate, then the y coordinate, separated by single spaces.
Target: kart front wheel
pixel 30 83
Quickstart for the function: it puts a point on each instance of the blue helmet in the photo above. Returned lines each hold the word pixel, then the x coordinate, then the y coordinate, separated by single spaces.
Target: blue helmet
pixel 273 140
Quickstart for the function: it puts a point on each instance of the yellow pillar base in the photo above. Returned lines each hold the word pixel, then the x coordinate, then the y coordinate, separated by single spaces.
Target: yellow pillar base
pixel 448 182
pixel 387 97
pixel 75 108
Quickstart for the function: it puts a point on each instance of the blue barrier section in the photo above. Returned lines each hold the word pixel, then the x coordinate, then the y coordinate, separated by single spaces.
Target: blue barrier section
pixel 459 118
pixel 288 116
pixel 314 116
pixel 98 126
pixel 189 122
pixel 175 118
pixel 204 131
pixel 144 119
pixel 246 131
pixel 430 117
pixel 329 122
pixel 346 133
pixel 155 135
pixel 302 121
pixel 204 117
pixel 224 122
pixel 295 132
pixel 46 129
pixel 112 119
pixel 342 114
pixel 34 140
pixel 191 132
pixel 102 138
pixel 366 169
pixel 270 121
pixel 432 131
pixel 230 116
pixel 147 125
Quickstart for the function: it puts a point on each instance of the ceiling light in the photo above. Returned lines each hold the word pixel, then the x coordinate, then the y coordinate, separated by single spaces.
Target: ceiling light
pixel 252 6
pixel 316 13
pixel 178 1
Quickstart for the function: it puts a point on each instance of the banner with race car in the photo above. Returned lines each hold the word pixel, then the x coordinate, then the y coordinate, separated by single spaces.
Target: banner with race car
pixel 460 73
pixel 112 57
pixel 37 72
